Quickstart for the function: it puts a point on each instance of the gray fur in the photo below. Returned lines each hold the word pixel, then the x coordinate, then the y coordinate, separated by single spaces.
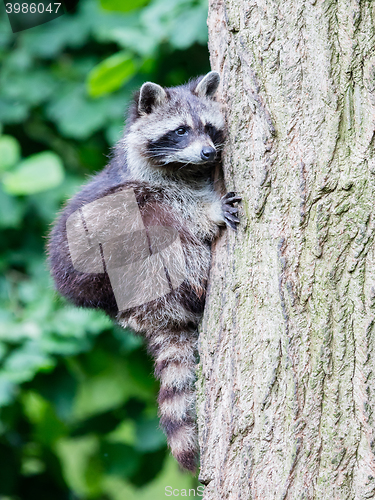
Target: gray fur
pixel 173 187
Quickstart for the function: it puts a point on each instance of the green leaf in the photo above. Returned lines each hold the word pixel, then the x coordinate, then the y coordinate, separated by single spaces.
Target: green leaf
pixel 11 210
pixel 149 436
pixel 47 427
pixel 13 332
pixel 64 346
pixel 123 5
pixel 110 384
pixel 124 433
pixel 76 115
pixel 37 88
pixel 74 322
pixel 37 173
pixel 12 111
pixel 80 466
pixel 50 39
pixel 171 475
pixel 111 74
pixel 9 152
pixel 128 340
pixel 23 363
pixel 189 28
pixel 7 390
pixel 130 38
pixel 119 459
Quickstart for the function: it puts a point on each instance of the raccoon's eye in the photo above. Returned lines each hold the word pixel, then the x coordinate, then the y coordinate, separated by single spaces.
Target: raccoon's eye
pixel 209 129
pixel 181 131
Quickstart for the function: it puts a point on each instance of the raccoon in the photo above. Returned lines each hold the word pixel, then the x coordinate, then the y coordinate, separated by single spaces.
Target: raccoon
pixel 165 161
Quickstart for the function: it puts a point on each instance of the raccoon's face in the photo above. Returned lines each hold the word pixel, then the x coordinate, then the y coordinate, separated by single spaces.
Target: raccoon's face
pixel 189 143
pixel 177 128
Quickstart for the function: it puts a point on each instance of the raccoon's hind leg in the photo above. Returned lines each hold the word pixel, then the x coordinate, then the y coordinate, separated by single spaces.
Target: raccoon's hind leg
pixel 174 354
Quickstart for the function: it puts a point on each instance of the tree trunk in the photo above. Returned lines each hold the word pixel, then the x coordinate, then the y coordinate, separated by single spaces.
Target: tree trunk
pixel 286 390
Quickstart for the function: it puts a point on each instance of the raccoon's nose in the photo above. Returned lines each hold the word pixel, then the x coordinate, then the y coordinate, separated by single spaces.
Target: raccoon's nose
pixel 208 153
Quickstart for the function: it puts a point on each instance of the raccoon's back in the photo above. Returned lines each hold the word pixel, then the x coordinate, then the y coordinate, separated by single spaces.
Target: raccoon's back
pixel 83 289
pixel 94 289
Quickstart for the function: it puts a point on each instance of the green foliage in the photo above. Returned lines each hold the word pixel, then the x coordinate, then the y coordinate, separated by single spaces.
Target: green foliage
pixel 9 152
pixel 111 74
pixel 37 173
pixel 122 6
pixel 78 417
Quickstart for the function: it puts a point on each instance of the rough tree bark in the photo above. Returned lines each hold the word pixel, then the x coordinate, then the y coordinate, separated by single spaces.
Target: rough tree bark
pixel 286 390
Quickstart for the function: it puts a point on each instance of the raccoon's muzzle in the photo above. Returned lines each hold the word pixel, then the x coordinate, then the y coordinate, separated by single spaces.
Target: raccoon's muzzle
pixel 208 153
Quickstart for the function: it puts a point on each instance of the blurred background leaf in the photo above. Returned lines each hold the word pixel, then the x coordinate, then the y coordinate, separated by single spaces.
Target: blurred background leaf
pixel 111 74
pixel 78 416
pixel 9 152
pixel 38 172
pixel 123 6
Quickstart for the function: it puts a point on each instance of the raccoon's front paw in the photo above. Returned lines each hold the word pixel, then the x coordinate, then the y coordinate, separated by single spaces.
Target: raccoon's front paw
pixel 229 211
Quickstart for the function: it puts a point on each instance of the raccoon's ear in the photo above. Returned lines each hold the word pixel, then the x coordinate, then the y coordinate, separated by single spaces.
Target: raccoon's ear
pixel 208 85
pixel 151 95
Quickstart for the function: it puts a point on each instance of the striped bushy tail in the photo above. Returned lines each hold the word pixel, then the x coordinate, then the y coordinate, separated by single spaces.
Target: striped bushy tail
pixel 174 355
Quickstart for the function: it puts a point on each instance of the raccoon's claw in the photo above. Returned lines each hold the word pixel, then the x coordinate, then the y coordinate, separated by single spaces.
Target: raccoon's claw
pixel 231 225
pixel 231 198
pixel 229 211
